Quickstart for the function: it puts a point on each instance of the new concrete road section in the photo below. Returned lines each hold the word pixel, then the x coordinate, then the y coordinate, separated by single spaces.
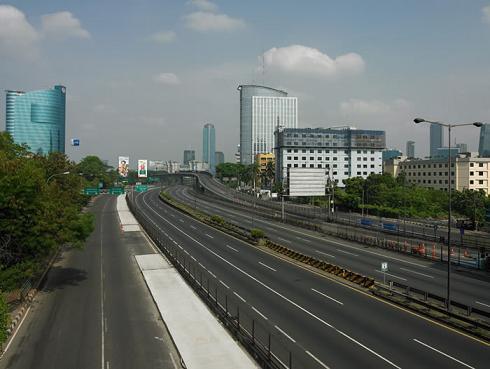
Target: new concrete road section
pixel 470 287
pixel 94 310
pixel 324 322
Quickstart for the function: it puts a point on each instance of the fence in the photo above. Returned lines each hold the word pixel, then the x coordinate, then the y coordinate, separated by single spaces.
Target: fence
pixel 270 350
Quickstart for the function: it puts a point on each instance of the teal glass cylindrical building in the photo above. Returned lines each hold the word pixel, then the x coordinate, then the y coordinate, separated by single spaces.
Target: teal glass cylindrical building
pixel 37 118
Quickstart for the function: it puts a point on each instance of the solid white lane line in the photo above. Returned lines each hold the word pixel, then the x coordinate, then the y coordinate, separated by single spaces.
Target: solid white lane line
pixel 481 303
pixel 223 283
pixel 328 297
pixel 172 215
pixel 232 248
pixel 283 239
pixel 240 297
pixel 181 220
pixel 347 252
pixel 192 227
pixel 209 235
pixel 317 359
pixel 443 353
pixel 258 312
pixel 214 275
pixel 268 267
pixel 413 271
pixel 193 258
pixel 302 239
pixel 284 333
pixel 324 253
pixel 391 275
pixel 16 331
pixel 306 311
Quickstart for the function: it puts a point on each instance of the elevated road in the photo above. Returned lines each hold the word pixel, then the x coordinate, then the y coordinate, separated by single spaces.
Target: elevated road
pixel 471 289
pixel 324 322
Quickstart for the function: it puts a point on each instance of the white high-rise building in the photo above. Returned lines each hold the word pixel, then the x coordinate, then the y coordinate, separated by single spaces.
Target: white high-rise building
pixel 262 109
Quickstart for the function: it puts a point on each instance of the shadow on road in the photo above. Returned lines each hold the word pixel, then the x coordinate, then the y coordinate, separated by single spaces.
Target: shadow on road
pixel 60 277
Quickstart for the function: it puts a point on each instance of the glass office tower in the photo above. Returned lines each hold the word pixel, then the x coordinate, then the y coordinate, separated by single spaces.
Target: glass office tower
pixel 261 110
pixel 410 149
pixel 37 118
pixel 484 147
pixel 209 146
pixel 189 155
pixel 436 139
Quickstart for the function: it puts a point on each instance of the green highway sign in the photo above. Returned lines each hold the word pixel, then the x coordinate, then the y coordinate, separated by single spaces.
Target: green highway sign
pixel 141 188
pixel 91 191
pixel 116 190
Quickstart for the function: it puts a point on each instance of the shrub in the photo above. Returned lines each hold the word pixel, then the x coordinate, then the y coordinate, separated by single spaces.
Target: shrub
pixel 257 233
pixel 217 219
pixel 4 319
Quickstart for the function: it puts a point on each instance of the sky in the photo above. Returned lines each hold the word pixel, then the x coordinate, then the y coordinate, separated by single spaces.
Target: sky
pixel 144 76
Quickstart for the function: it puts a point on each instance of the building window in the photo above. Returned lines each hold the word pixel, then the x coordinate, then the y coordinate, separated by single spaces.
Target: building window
pixel 319 166
pixel 303 151
pixel 358 173
pixel 372 159
pixel 289 150
pixel 312 158
pixel 480 165
pixel 334 173
pixel 295 150
pixel 472 165
pixel 480 173
pixel 295 165
pixel 365 173
pixel 289 158
pixel 372 165
pixel 289 165
pixel 472 173
pixel 303 165
pixel 312 165
pixel 303 158
pixel 312 151
pixel 471 182
pixel 335 165
pixel 346 173
pixel 358 165
pixel 295 158
pixel 480 181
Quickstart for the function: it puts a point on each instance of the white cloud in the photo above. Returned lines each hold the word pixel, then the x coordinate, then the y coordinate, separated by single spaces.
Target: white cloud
pixel 206 21
pixel 205 5
pixel 17 36
pixel 63 25
pixel 307 60
pixel 164 37
pixel 167 79
pixel 372 107
pixel 486 14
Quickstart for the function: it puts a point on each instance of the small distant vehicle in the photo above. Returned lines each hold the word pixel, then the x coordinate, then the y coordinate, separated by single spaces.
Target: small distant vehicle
pixel 466 224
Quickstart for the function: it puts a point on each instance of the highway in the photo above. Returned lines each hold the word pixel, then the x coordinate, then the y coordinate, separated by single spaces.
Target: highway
pixel 325 323
pixel 413 227
pixel 94 309
pixel 416 272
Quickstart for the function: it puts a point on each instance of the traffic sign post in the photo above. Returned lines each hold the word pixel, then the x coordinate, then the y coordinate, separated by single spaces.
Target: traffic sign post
pixel 384 269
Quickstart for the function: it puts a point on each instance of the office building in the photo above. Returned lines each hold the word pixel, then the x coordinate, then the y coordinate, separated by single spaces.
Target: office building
pixel 391 153
pixel 468 172
pixel 436 139
pixel 484 147
pixel 209 146
pixel 189 155
pixel 220 157
pixel 262 109
pixel 263 159
pixel 443 152
pixel 37 118
pixel 343 153
pixel 237 154
pixel 462 147
pixel 410 149
pixel 198 166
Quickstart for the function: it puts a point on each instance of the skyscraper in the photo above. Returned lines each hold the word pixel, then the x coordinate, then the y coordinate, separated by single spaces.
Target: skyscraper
pixel 37 118
pixel 410 149
pixel 209 146
pixel 484 147
pixel 462 147
pixel 189 155
pixel 436 139
pixel 220 157
pixel 261 110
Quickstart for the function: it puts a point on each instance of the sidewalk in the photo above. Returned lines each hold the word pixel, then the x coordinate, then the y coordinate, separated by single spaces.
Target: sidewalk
pixel 201 340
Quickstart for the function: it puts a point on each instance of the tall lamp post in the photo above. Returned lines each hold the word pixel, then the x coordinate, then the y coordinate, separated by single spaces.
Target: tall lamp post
pixel 56 174
pixel 449 126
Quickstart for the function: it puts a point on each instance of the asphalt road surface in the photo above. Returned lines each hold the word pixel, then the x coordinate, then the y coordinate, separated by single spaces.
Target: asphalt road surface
pixel 323 322
pixel 468 287
pixel 94 310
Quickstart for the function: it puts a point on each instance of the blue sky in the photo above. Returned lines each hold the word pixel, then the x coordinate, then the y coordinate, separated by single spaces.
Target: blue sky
pixel 144 76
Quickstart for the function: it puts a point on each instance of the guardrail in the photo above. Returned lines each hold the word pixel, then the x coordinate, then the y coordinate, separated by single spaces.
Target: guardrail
pixel 270 350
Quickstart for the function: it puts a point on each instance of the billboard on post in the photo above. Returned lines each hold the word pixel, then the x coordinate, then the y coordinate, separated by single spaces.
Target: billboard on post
pixel 142 168
pixel 123 166
pixel 306 181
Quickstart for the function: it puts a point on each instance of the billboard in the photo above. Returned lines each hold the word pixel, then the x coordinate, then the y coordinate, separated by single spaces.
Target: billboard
pixel 142 168
pixel 306 181
pixel 123 166
pixel 75 142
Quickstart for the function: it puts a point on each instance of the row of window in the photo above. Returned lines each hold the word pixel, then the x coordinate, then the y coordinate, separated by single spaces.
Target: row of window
pixel 473 173
pixel 429 181
pixel 320 151
pixel 428 174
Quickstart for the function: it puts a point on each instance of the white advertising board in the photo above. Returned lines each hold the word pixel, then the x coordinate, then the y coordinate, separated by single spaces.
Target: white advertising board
pixel 123 166
pixel 306 181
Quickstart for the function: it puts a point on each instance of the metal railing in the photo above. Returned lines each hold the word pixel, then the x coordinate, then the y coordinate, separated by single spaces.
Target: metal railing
pixel 269 349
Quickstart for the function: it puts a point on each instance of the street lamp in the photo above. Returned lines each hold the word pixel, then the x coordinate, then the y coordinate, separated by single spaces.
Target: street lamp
pixel 449 126
pixel 56 174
